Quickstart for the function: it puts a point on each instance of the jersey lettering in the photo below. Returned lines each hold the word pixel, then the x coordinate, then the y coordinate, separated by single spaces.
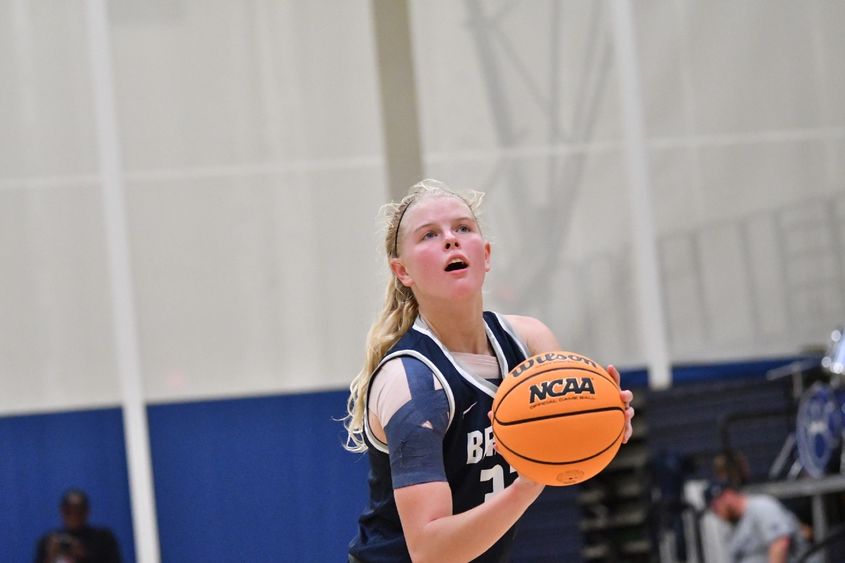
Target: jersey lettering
pixel 480 445
pixel 474 446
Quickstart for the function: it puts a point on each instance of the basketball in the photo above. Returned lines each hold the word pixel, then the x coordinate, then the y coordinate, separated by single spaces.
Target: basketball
pixel 558 418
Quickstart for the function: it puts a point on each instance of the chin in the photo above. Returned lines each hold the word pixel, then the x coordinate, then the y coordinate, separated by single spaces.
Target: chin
pixel 466 287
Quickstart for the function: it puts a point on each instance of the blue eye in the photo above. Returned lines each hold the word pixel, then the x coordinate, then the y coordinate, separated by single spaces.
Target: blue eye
pixel 464 229
pixel 429 234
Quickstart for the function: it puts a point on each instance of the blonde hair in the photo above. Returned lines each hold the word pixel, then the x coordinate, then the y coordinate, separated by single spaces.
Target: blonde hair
pixel 400 308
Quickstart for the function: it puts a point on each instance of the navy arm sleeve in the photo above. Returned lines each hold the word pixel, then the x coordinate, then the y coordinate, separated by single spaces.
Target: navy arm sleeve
pixel 415 432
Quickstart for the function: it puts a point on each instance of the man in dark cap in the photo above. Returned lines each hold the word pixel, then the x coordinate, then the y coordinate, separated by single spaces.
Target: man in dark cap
pixel 76 541
pixel 764 531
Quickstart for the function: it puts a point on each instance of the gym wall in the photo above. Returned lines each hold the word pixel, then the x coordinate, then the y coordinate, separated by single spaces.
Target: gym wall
pixel 253 169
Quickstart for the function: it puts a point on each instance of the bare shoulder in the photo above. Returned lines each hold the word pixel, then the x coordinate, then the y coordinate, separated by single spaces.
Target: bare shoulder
pixel 534 332
pixel 526 326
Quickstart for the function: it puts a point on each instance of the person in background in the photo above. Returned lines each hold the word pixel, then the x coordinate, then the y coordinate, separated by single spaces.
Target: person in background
pixel 76 541
pixel 732 466
pixel 764 531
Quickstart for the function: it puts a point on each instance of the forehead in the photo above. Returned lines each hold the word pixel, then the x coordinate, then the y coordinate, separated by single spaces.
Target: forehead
pixel 436 208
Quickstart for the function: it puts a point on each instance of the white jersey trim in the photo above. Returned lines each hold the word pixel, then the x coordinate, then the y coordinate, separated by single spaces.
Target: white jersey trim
pixel 510 330
pixel 450 397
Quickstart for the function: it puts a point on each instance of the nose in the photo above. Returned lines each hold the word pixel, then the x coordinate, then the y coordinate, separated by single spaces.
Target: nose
pixel 451 241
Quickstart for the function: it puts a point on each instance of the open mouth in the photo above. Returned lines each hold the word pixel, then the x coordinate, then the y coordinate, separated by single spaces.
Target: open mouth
pixel 456 265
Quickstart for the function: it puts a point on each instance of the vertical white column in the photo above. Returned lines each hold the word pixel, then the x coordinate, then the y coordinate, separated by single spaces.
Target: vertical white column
pixel 397 86
pixel 649 301
pixel 114 210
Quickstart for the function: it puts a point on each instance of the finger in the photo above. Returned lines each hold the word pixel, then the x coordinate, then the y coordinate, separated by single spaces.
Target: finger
pixel 490 416
pixel 629 429
pixel 611 369
pixel 626 396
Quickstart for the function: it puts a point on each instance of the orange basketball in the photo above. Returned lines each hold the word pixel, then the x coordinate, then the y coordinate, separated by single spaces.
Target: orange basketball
pixel 558 418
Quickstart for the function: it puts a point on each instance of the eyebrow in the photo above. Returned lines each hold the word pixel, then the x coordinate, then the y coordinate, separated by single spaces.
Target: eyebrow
pixel 455 220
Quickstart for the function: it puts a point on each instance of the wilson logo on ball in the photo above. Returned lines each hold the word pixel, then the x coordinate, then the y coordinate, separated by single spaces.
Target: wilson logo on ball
pixel 550 357
pixel 561 387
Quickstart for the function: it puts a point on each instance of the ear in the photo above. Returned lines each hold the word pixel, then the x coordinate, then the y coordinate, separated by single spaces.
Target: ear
pixel 487 250
pixel 401 272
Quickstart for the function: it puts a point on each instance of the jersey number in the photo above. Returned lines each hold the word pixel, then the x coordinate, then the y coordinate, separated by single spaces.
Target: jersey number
pixel 496 474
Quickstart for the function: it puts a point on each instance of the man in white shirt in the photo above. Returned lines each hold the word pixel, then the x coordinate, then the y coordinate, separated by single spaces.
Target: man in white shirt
pixel 764 531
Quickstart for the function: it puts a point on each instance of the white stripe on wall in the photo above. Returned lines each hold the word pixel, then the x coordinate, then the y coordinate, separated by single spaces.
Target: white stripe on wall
pixel 111 172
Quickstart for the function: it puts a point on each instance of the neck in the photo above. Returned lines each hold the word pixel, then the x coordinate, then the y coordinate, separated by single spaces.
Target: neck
pixel 459 326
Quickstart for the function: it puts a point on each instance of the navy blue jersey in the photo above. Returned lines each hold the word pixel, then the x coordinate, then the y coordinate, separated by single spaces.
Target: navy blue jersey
pixel 473 468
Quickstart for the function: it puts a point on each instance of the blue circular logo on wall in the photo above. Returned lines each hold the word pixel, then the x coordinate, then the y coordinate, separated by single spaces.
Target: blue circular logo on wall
pixel 819 429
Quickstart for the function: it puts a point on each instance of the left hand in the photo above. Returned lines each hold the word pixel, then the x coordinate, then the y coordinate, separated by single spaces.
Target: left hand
pixel 626 396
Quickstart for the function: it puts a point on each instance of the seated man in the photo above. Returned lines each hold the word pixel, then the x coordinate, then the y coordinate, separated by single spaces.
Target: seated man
pixel 77 542
pixel 764 531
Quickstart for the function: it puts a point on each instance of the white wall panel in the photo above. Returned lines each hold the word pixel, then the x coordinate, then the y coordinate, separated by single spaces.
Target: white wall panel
pixel 253 171
pixel 234 83
pixel 727 298
pixel 476 60
pixel 741 178
pixel 252 146
pixel 676 194
pixel 56 344
pixel 661 29
pixel 255 285
pixel 836 154
pixel 829 43
pixel 768 289
pixel 687 323
pixel 254 167
pixel 46 111
pixel 751 65
pixel 741 124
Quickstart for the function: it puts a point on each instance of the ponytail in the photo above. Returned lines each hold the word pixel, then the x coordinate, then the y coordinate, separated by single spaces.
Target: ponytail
pixel 396 317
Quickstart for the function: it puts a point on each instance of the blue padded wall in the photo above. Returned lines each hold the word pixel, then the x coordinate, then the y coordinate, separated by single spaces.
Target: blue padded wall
pixel 259 479
pixel 264 479
pixel 45 454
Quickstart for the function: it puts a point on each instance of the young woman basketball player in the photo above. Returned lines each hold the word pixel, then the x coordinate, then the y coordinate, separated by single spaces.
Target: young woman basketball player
pixel 439 491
